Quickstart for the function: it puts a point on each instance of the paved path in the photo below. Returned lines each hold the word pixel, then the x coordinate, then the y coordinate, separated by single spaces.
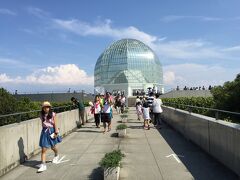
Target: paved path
pixel 146 156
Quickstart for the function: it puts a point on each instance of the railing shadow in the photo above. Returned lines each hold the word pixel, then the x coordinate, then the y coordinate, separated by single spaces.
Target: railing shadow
pixel 201 165
pixel 89 131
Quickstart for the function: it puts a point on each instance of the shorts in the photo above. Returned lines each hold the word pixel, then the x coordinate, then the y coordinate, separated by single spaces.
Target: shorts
pixel 106 117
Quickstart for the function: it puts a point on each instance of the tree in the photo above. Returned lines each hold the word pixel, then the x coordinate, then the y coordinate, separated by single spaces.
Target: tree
pixel 8 104
pixel 227 97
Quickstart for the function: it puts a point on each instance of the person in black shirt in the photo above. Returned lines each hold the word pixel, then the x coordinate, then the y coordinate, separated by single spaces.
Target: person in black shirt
pixel 149 101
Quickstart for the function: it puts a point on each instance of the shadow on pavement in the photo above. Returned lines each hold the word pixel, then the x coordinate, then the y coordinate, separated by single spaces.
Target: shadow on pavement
pixel 114 135
pixel 136 127
pixel 199 164
pixel 90 131
pixel 97 174
pixel 32 163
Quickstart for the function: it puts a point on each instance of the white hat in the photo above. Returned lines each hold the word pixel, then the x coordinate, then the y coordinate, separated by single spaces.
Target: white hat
pixel 46 104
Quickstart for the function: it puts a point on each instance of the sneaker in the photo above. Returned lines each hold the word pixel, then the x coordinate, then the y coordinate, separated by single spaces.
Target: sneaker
pixel 43 167
pixel 55 159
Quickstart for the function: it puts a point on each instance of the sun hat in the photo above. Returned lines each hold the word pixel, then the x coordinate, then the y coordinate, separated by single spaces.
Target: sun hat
pixel 90 103
pixel 46 104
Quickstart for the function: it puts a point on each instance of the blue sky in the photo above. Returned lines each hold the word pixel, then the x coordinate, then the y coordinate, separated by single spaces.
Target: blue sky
pixel 53 45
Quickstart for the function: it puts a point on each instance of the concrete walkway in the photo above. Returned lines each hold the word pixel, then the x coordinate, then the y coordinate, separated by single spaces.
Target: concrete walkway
pixel 149 155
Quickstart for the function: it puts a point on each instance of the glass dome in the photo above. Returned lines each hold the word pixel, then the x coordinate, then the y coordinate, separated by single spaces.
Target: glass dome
pixel 128 61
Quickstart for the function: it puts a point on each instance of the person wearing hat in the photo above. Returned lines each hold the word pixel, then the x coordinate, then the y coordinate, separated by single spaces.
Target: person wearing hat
pixel 49 135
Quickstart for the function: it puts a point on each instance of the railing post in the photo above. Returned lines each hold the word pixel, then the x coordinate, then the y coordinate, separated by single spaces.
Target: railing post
pixel 216 115
pixel 19 118
pixel 190 110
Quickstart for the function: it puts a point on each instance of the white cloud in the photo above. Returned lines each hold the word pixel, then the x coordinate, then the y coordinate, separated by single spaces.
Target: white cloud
pixel 169 77
pixel 197 75
pixel 232 49
pixel 13 63
pixel 38 12
pixel 26 30
pixel 7 12
pixel 189 49
pixel 173 18
pixel 186 49
pixel 4 61
pixel 103 29
pixel 68 74
pixel 4 78
pixel 182 49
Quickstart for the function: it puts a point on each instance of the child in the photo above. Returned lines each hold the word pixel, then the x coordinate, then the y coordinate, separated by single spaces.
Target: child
pixel 49 135
pixel 139 110
pixel 146 115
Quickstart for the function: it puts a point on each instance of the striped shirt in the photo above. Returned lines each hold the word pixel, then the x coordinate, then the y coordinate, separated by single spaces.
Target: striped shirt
pixel 150 100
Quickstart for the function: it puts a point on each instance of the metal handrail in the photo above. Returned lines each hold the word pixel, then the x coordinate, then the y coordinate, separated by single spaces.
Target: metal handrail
pixel 209 109
pixel 27 112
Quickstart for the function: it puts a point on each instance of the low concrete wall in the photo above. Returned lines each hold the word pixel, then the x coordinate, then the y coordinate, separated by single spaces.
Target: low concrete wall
pixel 21 140
pixel 218 138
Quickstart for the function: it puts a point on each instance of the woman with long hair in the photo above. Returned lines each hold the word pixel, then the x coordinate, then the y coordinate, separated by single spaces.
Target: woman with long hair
pixel 49 135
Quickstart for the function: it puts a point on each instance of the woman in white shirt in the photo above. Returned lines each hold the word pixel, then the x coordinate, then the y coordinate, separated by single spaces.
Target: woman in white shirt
pixel 157 110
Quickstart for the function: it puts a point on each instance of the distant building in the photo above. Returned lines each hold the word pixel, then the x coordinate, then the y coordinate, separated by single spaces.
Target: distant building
pixel 130 67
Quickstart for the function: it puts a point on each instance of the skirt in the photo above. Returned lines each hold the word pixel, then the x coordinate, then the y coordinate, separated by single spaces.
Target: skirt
pixel 45 139
pixel 106 117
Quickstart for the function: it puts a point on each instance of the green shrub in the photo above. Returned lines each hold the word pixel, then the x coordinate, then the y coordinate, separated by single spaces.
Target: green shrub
pixel 123 116
pixel 121 127
pixel 180 103
pixel 9 105
pixel 112 159
pixel 225 97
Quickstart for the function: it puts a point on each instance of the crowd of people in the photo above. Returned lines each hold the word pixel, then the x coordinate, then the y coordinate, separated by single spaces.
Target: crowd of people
pixel 147 108
pixel 120 103
pixel 203 88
